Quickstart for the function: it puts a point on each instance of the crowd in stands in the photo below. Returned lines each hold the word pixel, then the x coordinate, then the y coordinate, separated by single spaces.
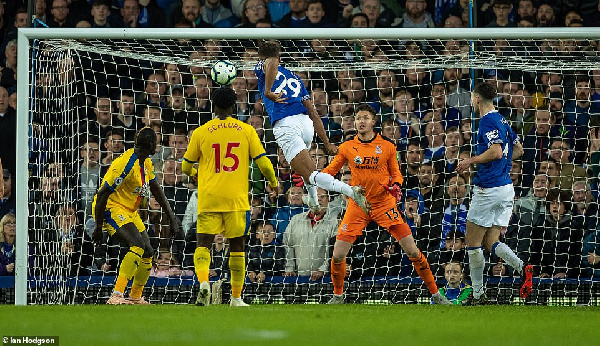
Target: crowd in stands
pixel 426 112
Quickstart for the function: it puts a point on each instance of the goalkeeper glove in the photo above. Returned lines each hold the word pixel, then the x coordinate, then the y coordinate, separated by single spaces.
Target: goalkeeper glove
pixel 297 179
pixel 395 191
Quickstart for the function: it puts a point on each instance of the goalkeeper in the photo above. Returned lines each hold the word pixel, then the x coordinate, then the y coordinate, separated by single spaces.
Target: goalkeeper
pixel 115 209
pixel 223 148
pixel 373 164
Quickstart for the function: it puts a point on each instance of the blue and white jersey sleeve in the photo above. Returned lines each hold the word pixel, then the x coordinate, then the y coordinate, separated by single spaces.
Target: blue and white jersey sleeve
pixel 492 132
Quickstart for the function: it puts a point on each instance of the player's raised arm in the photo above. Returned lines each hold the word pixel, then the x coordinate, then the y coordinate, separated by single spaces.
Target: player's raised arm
pixel 394 169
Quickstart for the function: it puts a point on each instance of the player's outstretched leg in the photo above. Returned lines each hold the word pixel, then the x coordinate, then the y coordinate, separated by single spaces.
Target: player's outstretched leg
pixel 142 273
pixel 404 236
pixel 507 254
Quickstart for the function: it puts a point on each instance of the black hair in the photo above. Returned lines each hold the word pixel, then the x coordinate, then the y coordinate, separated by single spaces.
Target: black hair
pixel 269 49
pixel 145 138
pixel 224 98
pixel 485 91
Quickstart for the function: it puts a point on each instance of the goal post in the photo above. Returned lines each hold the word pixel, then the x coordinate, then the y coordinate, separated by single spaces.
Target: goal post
pixel 93 41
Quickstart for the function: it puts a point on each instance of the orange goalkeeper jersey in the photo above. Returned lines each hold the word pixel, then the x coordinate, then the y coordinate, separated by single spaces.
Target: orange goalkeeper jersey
pixel 372 164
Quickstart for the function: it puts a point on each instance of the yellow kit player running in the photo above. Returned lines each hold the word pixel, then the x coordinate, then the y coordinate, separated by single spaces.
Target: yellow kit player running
pixel 115 210
pixel 223 148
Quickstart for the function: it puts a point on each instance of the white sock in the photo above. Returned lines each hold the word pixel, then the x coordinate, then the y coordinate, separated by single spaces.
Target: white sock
pixel 329 183
pixel 503 251
pixel 476 265
pixel 312 194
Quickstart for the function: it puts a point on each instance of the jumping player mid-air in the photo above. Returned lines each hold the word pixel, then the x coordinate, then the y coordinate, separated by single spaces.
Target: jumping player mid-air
pixel 295 120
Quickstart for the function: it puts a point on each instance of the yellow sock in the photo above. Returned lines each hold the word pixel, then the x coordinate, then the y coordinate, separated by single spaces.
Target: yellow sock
pixel 140 278
pixel 202 263
pixel 129 265
pixel 237 267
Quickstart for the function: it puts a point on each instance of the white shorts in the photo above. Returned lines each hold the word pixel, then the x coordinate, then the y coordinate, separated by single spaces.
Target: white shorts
pixel 491 206
pixel 294 134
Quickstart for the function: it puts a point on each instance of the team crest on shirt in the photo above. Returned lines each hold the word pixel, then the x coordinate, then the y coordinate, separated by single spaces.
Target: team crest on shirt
pixel 358 160
pixel 118 181
pixel 344 226
pixel 121 217
pixel 378 149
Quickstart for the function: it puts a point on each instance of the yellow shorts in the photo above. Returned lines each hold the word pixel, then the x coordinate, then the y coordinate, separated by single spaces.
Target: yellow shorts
pixel 231 224
pixel 115 218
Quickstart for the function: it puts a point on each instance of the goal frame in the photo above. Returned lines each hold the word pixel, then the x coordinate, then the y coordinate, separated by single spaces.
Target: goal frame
pixel 25 35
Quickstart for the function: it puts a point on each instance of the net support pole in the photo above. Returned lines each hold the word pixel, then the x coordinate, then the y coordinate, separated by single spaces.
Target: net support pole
pixel 22 174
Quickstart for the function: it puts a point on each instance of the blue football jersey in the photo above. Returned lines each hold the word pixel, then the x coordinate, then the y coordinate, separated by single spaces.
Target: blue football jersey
pixel 291 87
pixel 494 129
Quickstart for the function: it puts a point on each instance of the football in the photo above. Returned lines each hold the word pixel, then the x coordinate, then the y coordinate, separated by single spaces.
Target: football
pixel 223 72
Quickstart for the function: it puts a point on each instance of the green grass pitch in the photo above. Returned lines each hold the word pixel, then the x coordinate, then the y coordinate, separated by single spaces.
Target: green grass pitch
pixel 305 324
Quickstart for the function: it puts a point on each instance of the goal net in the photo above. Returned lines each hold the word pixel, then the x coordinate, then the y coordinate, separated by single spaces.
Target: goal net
pixel 89 95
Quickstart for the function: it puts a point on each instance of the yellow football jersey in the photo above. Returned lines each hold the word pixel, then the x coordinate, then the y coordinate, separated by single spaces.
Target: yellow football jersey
pixel 223 149
pixel 128 180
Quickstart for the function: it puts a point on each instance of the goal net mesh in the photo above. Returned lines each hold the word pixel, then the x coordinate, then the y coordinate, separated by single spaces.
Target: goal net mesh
pixel 88 97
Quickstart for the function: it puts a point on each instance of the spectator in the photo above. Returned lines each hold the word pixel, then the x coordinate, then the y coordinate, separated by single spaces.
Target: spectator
pixel 102 121
pixel 89 174
pixel 315 12
pixel 176 192
pixel 454 250
pixel 267 258
pixel 525 8
pixel 201 103
pixel 75 244
pixel 545 16
pixel 166 265
pixel 283 215
pixel 219 255
pixel 410 167
pixel 428 184
pixel 114 146
pixel 446 165
pixel 584 206
pixel 516 172
pixel 435 141
pixel 456 96
pixel 439 111
pixel 537 143
pixel 8 130
pixel 178 142
pixel 502 9
pixel 154 92
pixel 453 22
pixel 253 11
pixel 383 102
pixel 535 196
pixel 125 119
pixel 455 212
pixel 379 16
pixel 594 152
pixel 561 152
pixel 296 18
pixel 562 237
pixel 551 168
pixel 60 15
pixel 153 117
pixel 8 201
pixel 214 13
pixel 522 113
pixel 130 13
pixel 41 7
pixel 590 255
pixel 415 16
pixel 405 117
pixel 572 15
pixel 189 11
pixel 455 289
pixel 358 20
pixel 317 154
pixel 306 239
pixel 7 245
pixel 578 110
pixel 100 14
pixel 339 105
